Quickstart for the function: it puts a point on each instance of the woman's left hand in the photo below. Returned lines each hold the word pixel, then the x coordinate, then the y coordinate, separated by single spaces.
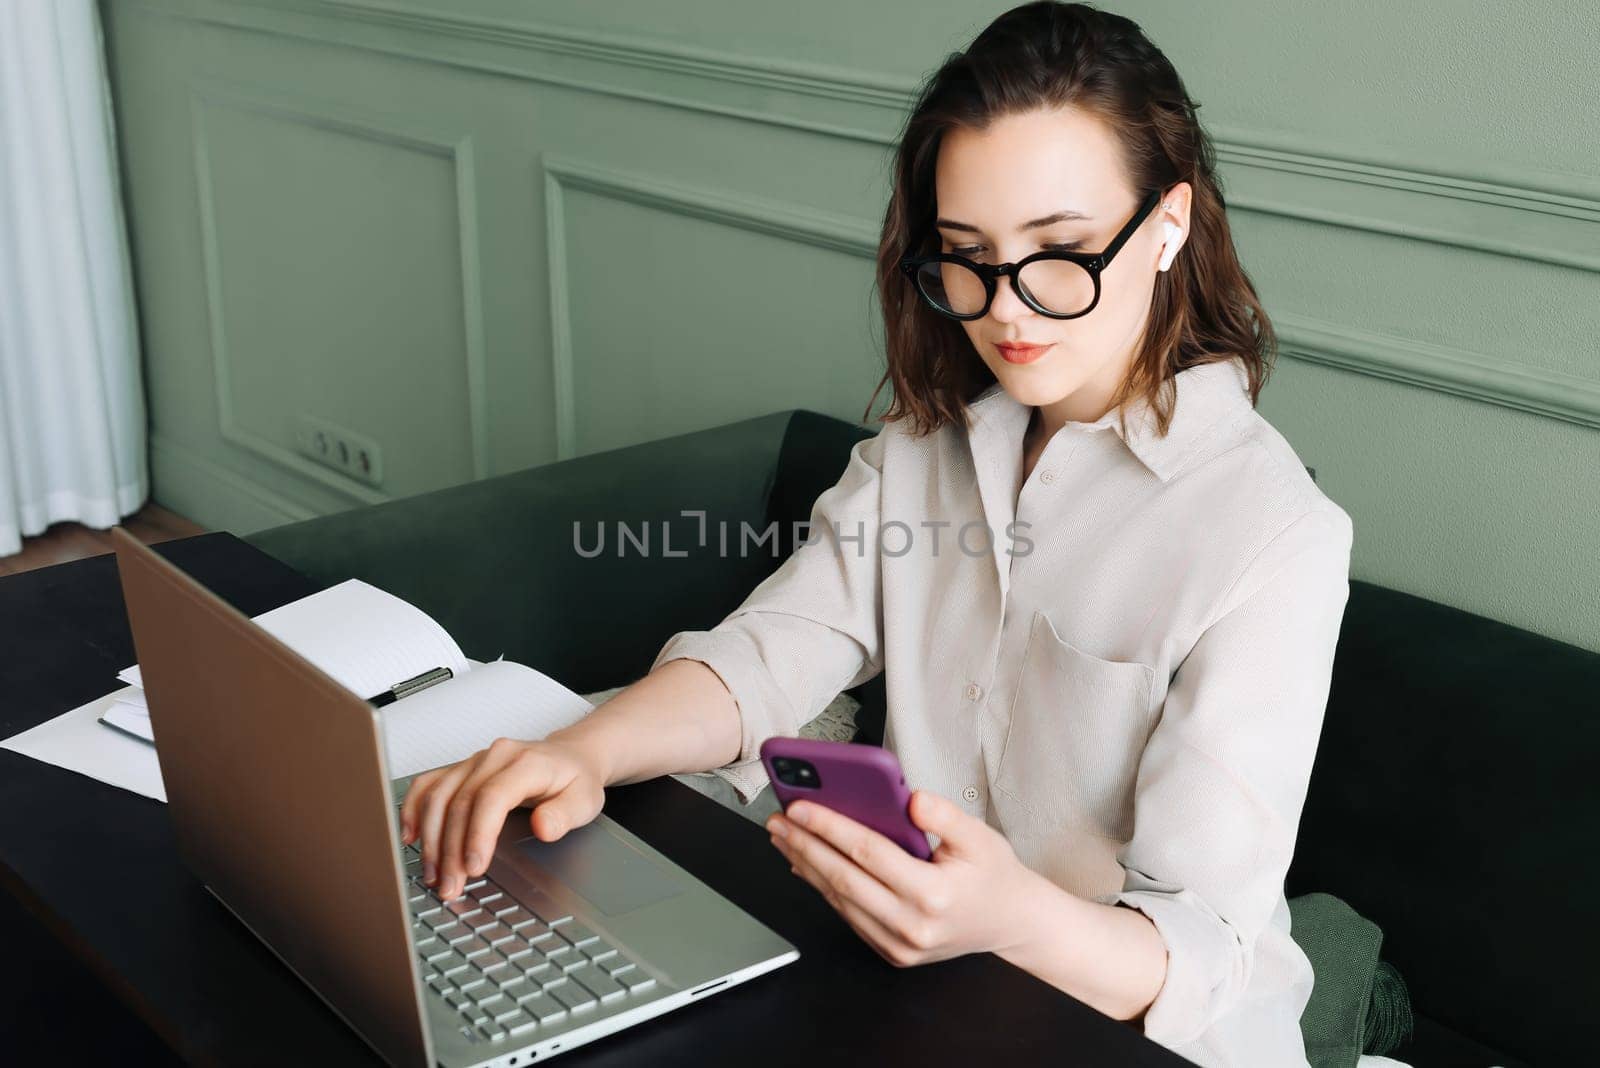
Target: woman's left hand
pixel 910 911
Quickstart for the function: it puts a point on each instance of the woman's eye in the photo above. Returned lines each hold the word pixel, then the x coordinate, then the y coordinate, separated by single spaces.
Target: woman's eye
pixel 1073 246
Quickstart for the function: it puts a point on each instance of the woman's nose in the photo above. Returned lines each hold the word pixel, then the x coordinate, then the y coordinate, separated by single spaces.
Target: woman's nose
pixel 1007 305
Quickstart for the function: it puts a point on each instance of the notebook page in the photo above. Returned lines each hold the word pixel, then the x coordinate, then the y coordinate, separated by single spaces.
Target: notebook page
pixel 456 718
pixel 367 639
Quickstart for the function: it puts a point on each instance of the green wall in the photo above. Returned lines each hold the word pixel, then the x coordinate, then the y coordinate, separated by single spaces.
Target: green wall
pixel 489 234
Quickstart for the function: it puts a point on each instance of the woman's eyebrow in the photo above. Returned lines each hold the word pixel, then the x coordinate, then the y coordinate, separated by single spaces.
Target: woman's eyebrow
pixel 1068 215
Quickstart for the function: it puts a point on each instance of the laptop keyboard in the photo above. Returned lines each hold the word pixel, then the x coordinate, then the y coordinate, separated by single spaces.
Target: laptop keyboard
pixel 511 968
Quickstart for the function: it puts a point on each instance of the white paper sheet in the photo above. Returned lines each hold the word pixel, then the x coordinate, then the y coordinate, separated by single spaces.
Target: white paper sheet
pixel 79 742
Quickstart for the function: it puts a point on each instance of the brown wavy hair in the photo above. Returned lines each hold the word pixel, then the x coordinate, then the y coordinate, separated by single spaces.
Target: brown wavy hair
pixel 1050 55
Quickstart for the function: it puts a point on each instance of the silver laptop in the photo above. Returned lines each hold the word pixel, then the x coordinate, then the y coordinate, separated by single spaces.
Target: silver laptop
pixel 280 796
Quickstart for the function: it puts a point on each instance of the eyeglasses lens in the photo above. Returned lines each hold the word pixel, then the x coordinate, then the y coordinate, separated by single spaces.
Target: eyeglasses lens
pixel 1060 286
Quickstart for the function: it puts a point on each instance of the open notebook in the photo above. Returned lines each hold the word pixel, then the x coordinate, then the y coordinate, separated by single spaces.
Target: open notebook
pixel 368 640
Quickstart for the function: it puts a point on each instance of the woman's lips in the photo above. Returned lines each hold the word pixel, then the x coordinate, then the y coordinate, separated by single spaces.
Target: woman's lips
pixel 1019 353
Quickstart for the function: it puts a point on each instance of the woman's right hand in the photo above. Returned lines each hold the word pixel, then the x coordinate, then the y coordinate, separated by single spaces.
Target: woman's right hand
pixel 458 810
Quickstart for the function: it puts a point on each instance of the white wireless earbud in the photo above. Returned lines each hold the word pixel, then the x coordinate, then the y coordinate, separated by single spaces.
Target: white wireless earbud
pixel 1169 248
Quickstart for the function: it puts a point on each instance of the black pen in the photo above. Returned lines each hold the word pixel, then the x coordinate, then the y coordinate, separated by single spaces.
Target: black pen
pixel 410 686
pixel 124 730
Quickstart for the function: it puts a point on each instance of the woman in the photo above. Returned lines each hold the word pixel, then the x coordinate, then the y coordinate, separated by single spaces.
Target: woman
pixel 1104 591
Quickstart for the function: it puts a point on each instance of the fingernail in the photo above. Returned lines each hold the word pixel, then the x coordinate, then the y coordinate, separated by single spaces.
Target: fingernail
pixel 800 814
pixel 429 872
pixel 473 862
pixel 776 827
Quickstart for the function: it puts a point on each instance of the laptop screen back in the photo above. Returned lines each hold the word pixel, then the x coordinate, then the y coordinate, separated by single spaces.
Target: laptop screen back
pixel 276 781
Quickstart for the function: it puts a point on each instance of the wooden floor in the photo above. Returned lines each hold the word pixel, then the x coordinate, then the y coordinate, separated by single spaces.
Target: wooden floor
pixel 73 541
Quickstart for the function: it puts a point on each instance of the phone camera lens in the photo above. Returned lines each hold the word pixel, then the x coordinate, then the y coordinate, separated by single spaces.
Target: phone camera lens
pixel 797 773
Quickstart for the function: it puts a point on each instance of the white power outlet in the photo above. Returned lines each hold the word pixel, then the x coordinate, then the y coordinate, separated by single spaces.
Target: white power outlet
pixel 343 450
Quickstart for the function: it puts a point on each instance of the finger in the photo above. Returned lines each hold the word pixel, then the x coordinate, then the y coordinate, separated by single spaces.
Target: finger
pixel 844 877
pixel 412 804
pixel 528 776
pixel 871 851
pixel 557 815
pixel 802 867
pixel 838 876
pixel 458 813
pixel 430 816
pixel 882 940
pixel 957 831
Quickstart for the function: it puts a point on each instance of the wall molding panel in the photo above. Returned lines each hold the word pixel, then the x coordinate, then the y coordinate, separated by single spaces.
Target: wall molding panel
pixel 831 101
pixel 809 226
pixel 811 79
pixel 1446 369
pixel 205 95
pixel 1520 213
pixel 1557 223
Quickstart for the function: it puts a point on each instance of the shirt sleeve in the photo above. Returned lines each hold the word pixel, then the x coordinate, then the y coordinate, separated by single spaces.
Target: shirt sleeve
pixel 1223 777
pixel 812 628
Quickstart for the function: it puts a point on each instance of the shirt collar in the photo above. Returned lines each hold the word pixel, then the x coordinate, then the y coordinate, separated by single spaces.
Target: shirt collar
pixel 1209 395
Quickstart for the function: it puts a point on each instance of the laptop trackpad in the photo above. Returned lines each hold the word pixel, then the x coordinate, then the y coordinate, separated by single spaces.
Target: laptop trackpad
pixel 602 868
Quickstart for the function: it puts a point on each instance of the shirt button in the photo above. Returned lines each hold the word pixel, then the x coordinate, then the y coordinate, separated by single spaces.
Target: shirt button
pixel 969 793
pixel 1047 477
pixel 973 691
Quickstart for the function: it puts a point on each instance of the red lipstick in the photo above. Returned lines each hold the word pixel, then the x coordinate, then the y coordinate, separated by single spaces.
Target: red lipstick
pixel 1020 351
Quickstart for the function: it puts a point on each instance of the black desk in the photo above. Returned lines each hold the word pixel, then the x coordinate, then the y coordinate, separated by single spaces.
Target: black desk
pixel 99 867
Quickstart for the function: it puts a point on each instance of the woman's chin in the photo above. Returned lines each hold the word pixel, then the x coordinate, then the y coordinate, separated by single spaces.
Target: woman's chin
pixel 1032 384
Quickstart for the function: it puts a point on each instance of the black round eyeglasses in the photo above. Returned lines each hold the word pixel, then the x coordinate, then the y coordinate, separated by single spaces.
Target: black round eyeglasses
pixel 1057 284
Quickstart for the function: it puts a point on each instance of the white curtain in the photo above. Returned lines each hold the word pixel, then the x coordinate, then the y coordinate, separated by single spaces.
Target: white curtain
pixel 72 412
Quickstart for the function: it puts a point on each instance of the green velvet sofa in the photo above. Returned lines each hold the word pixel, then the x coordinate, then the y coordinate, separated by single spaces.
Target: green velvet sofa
pixel 1453 800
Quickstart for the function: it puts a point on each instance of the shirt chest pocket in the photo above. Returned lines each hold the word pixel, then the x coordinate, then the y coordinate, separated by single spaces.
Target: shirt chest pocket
pixel 1079 724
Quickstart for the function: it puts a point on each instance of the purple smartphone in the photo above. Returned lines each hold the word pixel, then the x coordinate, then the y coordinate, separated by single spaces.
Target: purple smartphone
pixel 861 781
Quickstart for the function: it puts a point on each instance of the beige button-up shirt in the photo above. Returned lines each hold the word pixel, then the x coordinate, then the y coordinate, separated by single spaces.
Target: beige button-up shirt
pixel 1120 663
